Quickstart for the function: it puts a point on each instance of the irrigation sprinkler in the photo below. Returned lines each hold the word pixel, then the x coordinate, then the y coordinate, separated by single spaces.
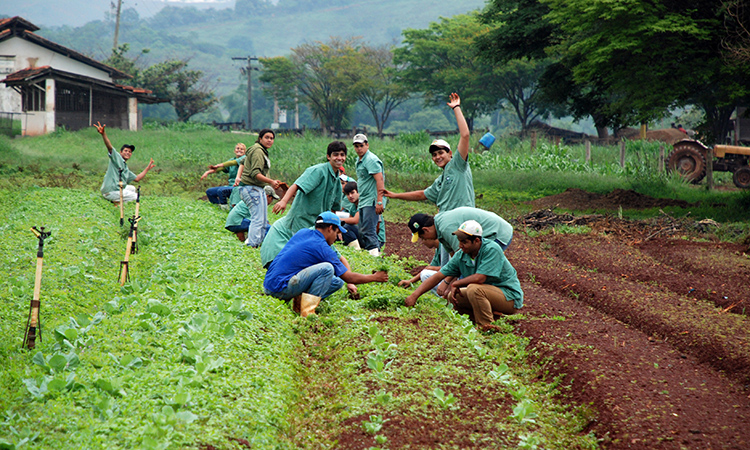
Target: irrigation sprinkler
pixel 33 323
pixel 124 275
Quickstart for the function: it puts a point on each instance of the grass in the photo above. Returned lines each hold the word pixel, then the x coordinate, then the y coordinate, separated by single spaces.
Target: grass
pixel 191 353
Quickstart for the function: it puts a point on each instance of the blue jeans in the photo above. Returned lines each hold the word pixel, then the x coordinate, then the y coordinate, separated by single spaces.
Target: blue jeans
pixel 255 199
pixel 219 195
pixel 352 233
pixel 318 280
pixel 368 228
pixel 239 228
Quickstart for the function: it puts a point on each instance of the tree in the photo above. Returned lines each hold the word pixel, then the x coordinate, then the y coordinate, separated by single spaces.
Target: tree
pixel 443 58
pixel 183 89
pixel 380 90
pixel 737 41
pixel 325 76
pixel 649 56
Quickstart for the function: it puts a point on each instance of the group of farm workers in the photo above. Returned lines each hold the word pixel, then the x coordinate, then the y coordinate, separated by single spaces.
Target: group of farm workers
pixel 469 269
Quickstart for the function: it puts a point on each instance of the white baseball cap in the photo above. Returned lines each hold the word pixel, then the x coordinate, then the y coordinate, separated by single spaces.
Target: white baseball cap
pixel 439 144
pixel 359 139
pixel 470 227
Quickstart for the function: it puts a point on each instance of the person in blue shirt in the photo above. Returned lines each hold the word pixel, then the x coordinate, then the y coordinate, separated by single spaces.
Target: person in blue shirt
pixel 308 269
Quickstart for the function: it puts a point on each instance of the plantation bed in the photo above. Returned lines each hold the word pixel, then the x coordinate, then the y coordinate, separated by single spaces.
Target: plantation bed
pixel 650 333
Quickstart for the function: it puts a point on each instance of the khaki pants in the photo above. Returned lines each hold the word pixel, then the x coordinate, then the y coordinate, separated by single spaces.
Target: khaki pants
pixel 480 300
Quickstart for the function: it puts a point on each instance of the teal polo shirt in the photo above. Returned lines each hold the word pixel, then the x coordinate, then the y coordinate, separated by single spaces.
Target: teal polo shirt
pixel 493 226
pixel 492 263
pixel 366 167
pixel 454 187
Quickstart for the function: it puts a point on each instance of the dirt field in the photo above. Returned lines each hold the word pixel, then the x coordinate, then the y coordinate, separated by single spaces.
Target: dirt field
pixel 648 327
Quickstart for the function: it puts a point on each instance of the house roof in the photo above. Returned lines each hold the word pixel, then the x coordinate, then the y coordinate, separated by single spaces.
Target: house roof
pixel 23 29
pixel 27 77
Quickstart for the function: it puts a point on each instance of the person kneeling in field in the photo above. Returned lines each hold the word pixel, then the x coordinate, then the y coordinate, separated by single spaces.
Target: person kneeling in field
pixel 118 172
pixel 238 220
pixel 308 270
pixel 487 282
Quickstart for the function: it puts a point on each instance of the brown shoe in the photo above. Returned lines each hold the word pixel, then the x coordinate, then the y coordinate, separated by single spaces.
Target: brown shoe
pixel 296 303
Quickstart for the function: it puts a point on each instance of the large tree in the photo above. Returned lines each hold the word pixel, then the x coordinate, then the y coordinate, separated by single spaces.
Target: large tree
pixel 323 74
pixel 653 55
pixel 380 88
pixel 443 59
pixel 185 90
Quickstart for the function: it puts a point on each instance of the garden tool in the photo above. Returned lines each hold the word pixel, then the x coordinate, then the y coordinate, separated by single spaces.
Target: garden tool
pixel 308 303
pixel 134 249
pixel 33 322
pixel 122 203
pixel 124 276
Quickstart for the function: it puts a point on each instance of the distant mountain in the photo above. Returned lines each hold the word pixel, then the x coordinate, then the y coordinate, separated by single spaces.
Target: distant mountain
pixel 210 38
pixel 75 13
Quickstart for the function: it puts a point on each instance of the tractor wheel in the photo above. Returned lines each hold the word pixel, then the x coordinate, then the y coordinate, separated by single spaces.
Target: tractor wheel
pixel 689 161
pixel 741 177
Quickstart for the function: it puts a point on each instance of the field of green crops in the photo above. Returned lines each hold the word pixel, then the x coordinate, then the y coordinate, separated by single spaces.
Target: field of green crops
pixel 190 354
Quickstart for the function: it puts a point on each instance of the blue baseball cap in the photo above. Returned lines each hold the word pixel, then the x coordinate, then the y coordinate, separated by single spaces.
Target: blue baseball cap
pixel 329 217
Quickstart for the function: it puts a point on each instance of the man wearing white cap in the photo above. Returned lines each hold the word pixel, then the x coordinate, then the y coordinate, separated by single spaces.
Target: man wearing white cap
pixel 371 186
pixel 455 186
pixel 487 282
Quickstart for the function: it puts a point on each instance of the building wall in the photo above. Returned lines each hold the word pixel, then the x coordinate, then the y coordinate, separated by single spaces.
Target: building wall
pixel 18 54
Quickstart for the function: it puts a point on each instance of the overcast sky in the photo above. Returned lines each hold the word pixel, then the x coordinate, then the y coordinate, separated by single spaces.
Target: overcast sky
pixel 46 13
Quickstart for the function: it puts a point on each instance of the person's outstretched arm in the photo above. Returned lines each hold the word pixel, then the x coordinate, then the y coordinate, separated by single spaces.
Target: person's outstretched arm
pixel 463 127
pixel 100 129
pixel 145 171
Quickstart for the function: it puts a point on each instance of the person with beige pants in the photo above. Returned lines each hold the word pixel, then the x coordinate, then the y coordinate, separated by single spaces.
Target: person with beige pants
pixel 486 281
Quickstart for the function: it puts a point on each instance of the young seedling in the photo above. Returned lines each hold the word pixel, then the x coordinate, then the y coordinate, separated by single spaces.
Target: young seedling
pixel 443 400
pixel 374 425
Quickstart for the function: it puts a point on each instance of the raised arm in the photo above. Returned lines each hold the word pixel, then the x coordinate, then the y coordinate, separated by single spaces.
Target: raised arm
pixel 463 127
pixel 100 128
pixel 145 171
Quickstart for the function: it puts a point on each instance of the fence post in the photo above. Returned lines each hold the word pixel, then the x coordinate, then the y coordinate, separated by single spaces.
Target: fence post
pixel 710 168
pixel 533 141
pixel 588 151
pixel 622 153
pixel 661 158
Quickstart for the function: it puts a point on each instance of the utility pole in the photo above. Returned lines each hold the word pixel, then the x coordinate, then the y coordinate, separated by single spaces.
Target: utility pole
pixel 117 23
pixel 249 69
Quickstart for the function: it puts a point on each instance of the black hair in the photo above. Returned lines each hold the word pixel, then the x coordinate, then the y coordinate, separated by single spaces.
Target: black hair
pixel 264 132
pixel 130 146
pixel 324 225
pixel 350 186
pixel 336 146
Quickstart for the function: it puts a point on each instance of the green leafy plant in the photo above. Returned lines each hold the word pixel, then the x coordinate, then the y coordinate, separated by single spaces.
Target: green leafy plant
pixel 443 400
pixel 525 411
pixel 374 425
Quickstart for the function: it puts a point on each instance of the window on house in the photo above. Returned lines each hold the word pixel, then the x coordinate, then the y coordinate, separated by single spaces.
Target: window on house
pixel 33 98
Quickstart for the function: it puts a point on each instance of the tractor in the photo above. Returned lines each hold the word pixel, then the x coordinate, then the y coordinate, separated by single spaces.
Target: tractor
pixel 688 158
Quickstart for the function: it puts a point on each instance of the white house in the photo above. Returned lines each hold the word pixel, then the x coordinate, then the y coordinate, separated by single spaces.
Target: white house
pixel 47 85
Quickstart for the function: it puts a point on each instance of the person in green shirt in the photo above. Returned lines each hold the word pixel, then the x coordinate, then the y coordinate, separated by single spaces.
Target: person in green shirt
pixel 427 228
pixel 486 281
pixel 371 183
pixel 455 186
pixel 117 171
pixel 220 194
pixel 318 189
pixel 252 175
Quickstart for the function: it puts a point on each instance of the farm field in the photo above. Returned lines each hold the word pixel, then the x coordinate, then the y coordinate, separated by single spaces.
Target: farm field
pixel 634 332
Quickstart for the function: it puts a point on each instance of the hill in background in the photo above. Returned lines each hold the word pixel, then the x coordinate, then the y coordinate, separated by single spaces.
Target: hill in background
pixel 210 38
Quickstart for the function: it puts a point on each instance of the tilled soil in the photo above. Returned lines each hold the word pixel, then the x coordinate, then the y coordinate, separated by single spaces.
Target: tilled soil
pixel 648 329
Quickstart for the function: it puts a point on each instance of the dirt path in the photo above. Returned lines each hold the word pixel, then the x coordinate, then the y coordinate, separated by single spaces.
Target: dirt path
pixel 653 334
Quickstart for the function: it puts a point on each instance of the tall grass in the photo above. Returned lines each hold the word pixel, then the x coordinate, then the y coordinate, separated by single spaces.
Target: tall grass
pixel 507 175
